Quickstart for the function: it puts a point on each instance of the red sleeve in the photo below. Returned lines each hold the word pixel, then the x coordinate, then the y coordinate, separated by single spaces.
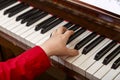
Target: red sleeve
pixel 25 66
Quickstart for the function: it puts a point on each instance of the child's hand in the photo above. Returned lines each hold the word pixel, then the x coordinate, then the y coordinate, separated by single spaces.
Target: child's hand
pixel 56 45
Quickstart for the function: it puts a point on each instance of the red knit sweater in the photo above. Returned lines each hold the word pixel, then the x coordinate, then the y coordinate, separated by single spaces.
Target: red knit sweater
pixel 26 66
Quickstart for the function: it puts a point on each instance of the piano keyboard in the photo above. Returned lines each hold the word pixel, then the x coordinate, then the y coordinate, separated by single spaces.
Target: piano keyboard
pixel 99 57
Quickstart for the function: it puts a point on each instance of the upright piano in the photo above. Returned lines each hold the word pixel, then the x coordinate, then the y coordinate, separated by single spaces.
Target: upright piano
pixel 96 24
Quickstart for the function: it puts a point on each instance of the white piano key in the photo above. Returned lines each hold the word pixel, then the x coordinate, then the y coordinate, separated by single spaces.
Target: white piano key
pixel 9 27
pixel 13 22
pixel 69 60
pixel 61 61
pixel 83 57
pixel 117 77
pixel 43 40
pixel 104 69
pixel 27 33
pixel 79 38
pixel 80 51
pixel 85 34
pixel 46 36
pixel 96 66
pixel 26 28
pixel 10 23
pixel 17 28
pixel 40 36
pixel 112 74
pixel 62 58
pixel 87 63
pixel 31 32
pixel 9 31
pixel 55 58
pixel 22 28
pixel 2 11
pixel 6 19
pixel 3 18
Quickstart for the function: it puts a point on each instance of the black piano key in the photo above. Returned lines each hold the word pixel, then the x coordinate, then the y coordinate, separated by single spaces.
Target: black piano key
pixel 14 8
pixel 85 40
pixel 111 56
pixel 44 23
pixel 93 44
pixel 51 25
pixel 27 14
pixel 7 4
pixel 76 34
pixel 35 19
pixel 18 10
pixel 116 64
pixel 68 25
pixel 31 17
pixel 75 27
pixel 4 2
pixel 106 49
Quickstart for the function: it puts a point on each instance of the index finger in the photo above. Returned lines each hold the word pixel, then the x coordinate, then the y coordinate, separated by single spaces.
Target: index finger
pixel 68 33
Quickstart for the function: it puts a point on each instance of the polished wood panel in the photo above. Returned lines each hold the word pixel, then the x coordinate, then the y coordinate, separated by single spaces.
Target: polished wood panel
pixel 10 47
